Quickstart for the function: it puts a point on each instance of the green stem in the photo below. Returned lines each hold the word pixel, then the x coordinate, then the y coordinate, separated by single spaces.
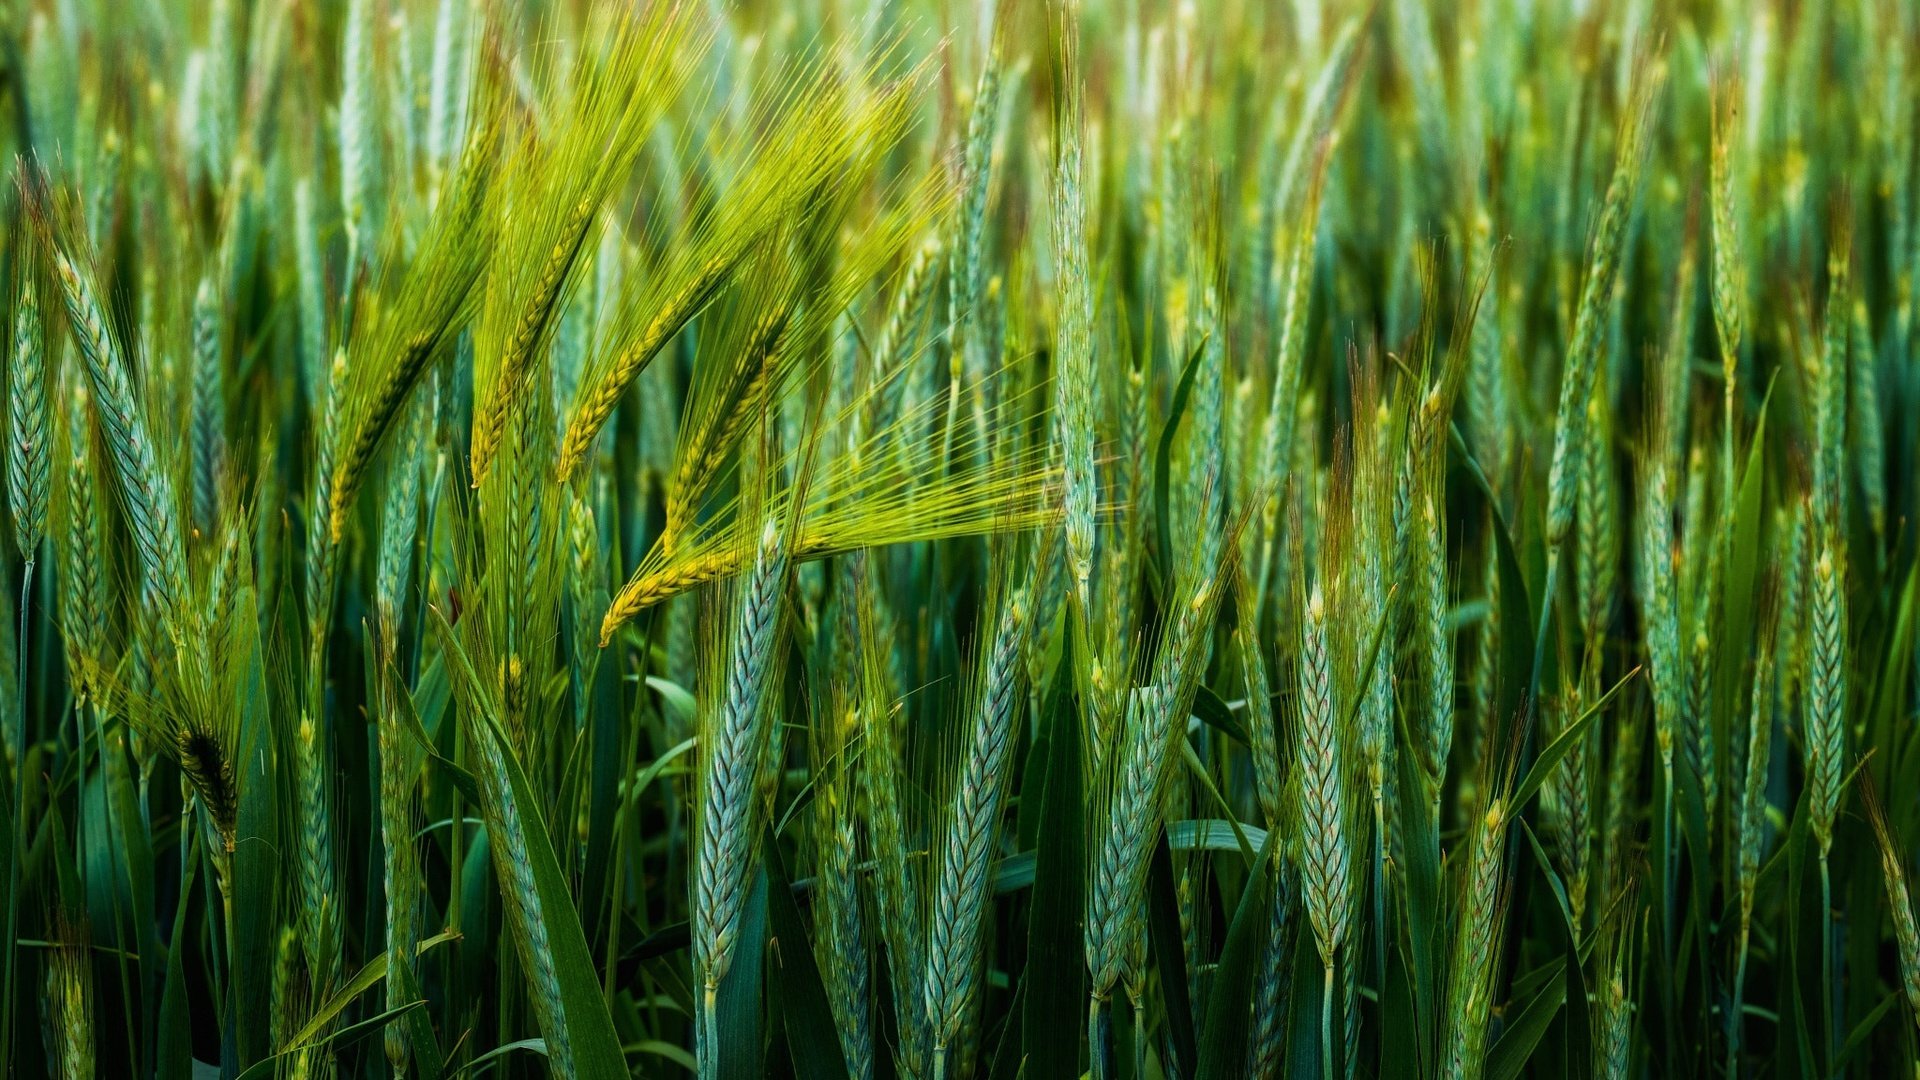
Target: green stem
pixel 704 1050
pixel 1667 861
pixel 1099 1038
pixel 1734 1017
pixel 1826 964
pixel 19 839
pixel 1379 900
pixel 1326 1024
pixel 1139 1032
pixel 1668 868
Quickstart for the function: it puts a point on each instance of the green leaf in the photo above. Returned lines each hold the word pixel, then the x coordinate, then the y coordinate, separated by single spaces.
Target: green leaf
pixel 1857 1038
pixel 739 1031
pixel 175 1052
pixel 793 979
pixel 1216 714
pixel 1213 834
pixel 1170 953
pixel 460 778
pixel 486 1061
pixel 1200 773
pixel 341 1037
pixel 1056 1001
pixel 596 1047
pixel 1163 452
pixel 1224 1050
pixel 422 1045
pixel 1508 1058
pixel 1033 781
pixel 365 979
pixel 1421 843
pixel 678 701
pixel 1007 1050
pixel 1563 744
pixel 256 878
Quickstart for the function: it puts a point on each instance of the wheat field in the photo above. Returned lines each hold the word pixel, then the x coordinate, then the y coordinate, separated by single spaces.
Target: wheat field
pixel 883 539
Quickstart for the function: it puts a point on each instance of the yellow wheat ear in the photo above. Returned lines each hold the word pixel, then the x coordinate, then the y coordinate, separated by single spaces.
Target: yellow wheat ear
pixel 872 490
pixel 407 323
pixel 823 141
pixel 554 188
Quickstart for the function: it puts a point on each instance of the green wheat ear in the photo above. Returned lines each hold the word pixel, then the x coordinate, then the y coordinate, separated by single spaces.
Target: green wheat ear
pixel 973 816
pixel 451 446
pixel 1576 382
pixel 1893 871
pixel 146 488
pixel 28 449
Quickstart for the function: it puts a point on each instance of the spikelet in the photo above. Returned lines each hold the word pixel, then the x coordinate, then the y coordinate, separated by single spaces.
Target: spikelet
pixel 401 879
pixel 1753 760
pixel 1361 588
pixel 1268 766
pixel 1114 921
pixel 1827 376
pixel 1864 422
pixel 310 268
pixel 1613 1001
pixel 1486 675
pixel 586 588
pixel 1125 819
pixel 1476 950
pixel 357 123
pixel 1583 350
pixel 554 189
pixel 395 340
pixel 824 135
pixel 1599 530
pixel 1752 809
pixel 399 757
pixel 859 499
pixel 83 599
pixel 320 915
pixel 895 347
pixel 734 753
pixel 884 786
pixel 1273 993
pixel 1906 927
pixel 69 1009
pixel 1659 620
pixel 1073 351
pixel 288 997
pixel 840 942
pixel 146 488
pixel 447 80
pixel 1826 690
pixel 966 250
pixel 28 443
pixel 322 546
pixel 1435 636
pixel 208 407
pixel 1325 855
pixel 1729 274
pixel 399 522
pixel 1623 771
pixel 507 823
pixel 960 892
pixel 1489 409
pixel 1279 428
